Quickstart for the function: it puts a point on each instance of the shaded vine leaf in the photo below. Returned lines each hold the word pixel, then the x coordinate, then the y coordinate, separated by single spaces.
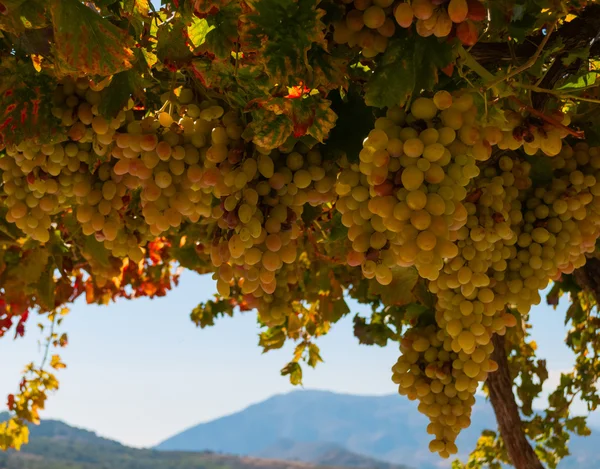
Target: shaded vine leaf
pixel 223 30
pixel 23 15
pixel 46 287
pixel 355 121
pixel 282 32
pixel 269 130
pixel 97 250
pixel 115 96
pixel 409 64
pixel 85 43
pixel 25 104
pixel 400 291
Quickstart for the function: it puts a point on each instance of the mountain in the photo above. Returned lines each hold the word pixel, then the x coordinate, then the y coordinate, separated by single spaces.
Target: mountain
pixel 56 445
pixel 322 453
pixel 302 424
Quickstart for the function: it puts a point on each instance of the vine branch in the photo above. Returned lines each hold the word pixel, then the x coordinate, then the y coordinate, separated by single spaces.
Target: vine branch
pixel 506 409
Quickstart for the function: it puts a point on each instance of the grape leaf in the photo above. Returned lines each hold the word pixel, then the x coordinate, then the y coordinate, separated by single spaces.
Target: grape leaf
pixel 172 44
pixel 137 7
pixel 282 31
pixel 329 69
pixel 356 120
pixel 399 292
pixel 23 15
pixel 32 265
pixel 322 120
pixel 409 64
pixel 46 287
pixel 197 31
pixel 97 251
pixel 26 103
pixel 294 370
pixel 121 88
pixel 224 29
pixel 269 130
pixel 276 119
pixel 577 82
pixel 86 43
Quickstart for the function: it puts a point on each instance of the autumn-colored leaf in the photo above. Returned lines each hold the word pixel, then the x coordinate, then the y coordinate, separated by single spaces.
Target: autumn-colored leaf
pixel 86 43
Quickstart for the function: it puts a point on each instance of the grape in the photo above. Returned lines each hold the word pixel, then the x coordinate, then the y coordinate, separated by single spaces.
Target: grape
pixel 374 17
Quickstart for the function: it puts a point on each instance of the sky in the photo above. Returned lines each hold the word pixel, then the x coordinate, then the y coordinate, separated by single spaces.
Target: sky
pixel 140 371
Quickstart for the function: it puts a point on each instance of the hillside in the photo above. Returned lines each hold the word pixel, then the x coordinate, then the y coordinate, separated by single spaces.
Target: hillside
pixel 382 427
pixel 56 445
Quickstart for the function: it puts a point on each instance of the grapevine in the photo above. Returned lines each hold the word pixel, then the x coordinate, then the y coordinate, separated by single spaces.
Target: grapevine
pixel 435 159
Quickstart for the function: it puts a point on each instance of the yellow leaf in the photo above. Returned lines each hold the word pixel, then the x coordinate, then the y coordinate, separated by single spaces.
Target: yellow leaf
pixel 37 62
pixel 57 363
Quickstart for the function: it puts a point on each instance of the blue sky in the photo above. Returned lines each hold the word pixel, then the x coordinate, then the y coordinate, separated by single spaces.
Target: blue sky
pixel 140 371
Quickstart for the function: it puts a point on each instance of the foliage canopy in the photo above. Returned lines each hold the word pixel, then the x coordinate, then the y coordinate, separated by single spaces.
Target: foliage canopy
pixel 435 159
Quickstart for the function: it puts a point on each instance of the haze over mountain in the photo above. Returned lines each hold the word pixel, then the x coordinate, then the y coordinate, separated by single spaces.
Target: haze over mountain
pixel 56 445
pixel 297 425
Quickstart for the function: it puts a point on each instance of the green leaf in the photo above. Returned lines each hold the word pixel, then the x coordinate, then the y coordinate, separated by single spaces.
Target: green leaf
pixel 269 130
pixel 400 291
pixel 197 31
pixel 577 82
pixel 310 213
pixel 172 47
pixel 409 65
pixel 97 250
pixel 338 230
pixel 541 169
pixel 294 370
pixel 578 53
pixel 45 287
pixel 314 356
pixel 32 265
pixel 116 95
pixel 86 43
pixel 272 339
pixel 223 30
pixel 23 15
pixel 283 31
pixel 355 121
pixel 323 120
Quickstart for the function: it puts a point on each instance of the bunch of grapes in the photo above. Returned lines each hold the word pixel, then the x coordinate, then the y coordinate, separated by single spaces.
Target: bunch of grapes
pixel 439 18
pixel 515 241
pixel 256 243
pixel 533 134
pixel 443 380
pixel 41 181
pixel 369 24
pixel 403 202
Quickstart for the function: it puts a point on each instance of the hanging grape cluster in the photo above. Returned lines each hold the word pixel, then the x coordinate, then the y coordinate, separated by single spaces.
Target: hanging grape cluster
pixel 368 24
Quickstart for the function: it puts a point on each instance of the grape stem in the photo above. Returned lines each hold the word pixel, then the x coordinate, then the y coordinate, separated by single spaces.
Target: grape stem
pixel 575 133
pixel 537 89
pixel 527 65
pixel 318 253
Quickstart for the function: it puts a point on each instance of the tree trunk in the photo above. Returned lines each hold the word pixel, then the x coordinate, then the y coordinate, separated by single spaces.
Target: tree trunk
pixel 500 384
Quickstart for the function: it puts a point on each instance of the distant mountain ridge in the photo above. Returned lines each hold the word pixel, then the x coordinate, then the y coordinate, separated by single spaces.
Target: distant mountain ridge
pixel 298 425
pixel 56 445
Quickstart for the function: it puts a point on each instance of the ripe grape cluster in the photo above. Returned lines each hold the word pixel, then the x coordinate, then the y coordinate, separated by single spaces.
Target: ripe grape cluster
pixel 403 203
pixel 369 24
pixel 517 238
